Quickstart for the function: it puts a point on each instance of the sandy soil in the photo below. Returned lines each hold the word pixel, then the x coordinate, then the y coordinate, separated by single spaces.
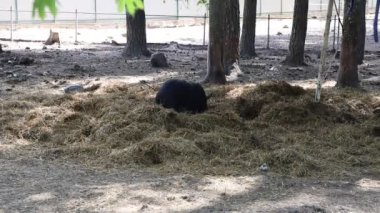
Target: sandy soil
pixel 33 185
pixel 29 184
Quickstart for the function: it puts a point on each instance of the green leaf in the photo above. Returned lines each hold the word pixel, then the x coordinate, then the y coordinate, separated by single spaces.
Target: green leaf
pixel 131 5
pixel 40 6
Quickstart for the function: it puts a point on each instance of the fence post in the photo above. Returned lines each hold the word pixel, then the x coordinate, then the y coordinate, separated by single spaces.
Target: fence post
pixel 334 32
pixel 320 5
pixel 281 8
pixel 268 31
pixel 338 36
pixel 260 7
pixel 177 9
pixel 96 11
pixel 76 26
pixel 204 29
pixel 11 10
pixel 126 24
pixel 16 8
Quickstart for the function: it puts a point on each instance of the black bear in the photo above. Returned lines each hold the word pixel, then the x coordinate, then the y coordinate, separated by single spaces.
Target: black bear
pixel 182 96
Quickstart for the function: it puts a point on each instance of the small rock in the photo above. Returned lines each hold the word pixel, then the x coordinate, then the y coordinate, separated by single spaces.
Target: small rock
pixel 74 88
pixel 264 167
pixel 26 61
pixel 170 198
pixel 376 131
pixel 44 48
pixel 279 33
pixel 314 17
pixel 144 207
pixel 158 60
pixel 377 111
pixel 77 67
pixel 92 88
pixel 8 89
pixel 27 48
pixel 286 27
pixel 337 55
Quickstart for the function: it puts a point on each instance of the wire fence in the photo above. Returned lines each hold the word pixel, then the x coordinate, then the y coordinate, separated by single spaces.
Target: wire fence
pixel 77 20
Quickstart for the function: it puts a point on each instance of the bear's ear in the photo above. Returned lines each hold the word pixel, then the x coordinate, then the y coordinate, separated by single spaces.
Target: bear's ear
pixel 208 96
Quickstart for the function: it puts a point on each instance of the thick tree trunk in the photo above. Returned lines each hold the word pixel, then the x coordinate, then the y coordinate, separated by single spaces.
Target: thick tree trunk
pixel 247 43
pixel 215 71
pixel 348 70
pixel 136 36
pixel 298 36
pixel 361 31
pixel 232 35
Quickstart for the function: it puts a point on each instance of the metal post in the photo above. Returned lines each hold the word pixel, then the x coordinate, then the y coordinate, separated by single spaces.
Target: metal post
pixel 126 24
pixel 177 10
pixel 320 5
pixel 268 31
pixel 334 32
pixel 11 23
pixel 16 8
pixel 96 11
pixel 204 29
pixel 338 36
pixel 260 7
pixel 76 26
pixel 281 7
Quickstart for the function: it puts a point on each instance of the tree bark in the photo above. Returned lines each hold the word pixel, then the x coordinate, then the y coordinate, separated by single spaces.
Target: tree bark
pixel 297 39
pixel 136 36
pixel 215 71
pixel 375 33
pixel 348 70
pixel 247 43
pixel 232 35
pixel 361 31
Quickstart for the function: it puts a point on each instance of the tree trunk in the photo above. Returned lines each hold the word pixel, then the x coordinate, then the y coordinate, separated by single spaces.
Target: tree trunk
pixel 215 71
pixel 136 36
pixel 247 43
pixel 361 31
pixel 375 33
pixel 298 36
pixel 232 35
pixel 348 70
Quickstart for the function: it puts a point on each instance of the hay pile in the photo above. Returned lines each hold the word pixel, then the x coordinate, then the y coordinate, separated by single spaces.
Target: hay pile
pixel 274 123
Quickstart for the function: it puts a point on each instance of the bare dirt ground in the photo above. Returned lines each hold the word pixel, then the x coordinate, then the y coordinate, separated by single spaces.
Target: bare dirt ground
pixel 31 184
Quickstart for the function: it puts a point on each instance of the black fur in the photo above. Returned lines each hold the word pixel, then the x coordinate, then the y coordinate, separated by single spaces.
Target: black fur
pixel 182 96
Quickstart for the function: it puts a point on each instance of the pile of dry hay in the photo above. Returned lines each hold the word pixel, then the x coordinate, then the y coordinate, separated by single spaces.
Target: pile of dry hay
pixel 273 123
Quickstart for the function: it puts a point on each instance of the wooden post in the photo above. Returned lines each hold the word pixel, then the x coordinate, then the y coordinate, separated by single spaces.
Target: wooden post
pixel 11 23
pixel 322 65
pixel 76 26
pixel 204 29
pixel 268 31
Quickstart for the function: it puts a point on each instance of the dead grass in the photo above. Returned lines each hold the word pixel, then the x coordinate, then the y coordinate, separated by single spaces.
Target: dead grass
pixel 274 123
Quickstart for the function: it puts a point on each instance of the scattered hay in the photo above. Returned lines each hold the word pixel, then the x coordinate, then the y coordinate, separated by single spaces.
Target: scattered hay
pixel 273 123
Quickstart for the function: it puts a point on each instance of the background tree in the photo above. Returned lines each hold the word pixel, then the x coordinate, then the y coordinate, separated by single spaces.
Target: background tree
pixel 232 35
pixel 297 39
pixel 361 31
pixel 348 70
pixel 215 71
pixel 136 26
pixel 136 35
pixel 247 43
